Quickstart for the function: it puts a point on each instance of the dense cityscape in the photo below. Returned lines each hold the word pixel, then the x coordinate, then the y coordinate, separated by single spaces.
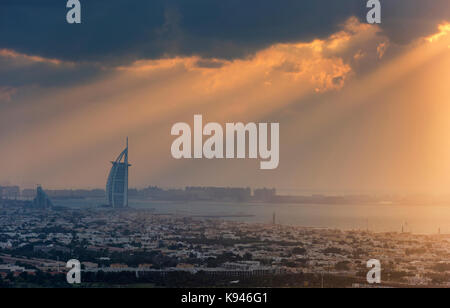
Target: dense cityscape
pixel 118 245
pixel 133 247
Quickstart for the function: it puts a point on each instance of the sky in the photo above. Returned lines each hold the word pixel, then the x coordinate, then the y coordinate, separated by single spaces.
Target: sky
pixel 362 108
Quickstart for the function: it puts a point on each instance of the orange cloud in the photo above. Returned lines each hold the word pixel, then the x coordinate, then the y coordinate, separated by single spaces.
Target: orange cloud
pixel 8 53
pixel 381 49
pixel 318 65
pixel 444 30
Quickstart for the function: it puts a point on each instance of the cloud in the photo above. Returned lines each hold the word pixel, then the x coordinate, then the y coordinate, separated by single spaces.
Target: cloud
pixel 444 29
pixel 6 93
pixel 210 63
pixel 82 125
pixel 381 49
pixel 119 31
pixel 406 20
pixel 24 70
pixel 27 59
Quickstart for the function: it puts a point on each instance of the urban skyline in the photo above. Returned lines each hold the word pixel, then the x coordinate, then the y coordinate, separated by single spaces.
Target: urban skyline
pixel 224 144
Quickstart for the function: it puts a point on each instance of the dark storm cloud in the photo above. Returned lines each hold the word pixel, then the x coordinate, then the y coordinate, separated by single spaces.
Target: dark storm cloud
pixel 405 20
pixel 121 30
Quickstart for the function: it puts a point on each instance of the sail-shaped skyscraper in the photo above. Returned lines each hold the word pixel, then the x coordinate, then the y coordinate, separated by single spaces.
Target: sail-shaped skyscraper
pixel 117 185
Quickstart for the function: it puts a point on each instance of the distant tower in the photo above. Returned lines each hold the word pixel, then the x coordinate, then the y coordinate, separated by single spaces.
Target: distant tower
pixel 274 218
pixel 42 201
pixel 117 185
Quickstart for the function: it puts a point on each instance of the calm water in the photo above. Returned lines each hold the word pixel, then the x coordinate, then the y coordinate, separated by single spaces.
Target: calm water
pixel 380 218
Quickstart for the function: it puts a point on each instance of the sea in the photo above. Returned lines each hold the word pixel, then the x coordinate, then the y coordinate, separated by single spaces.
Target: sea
pixel 417 219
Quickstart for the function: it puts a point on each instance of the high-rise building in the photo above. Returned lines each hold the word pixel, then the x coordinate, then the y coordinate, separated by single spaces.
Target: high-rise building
pixel 117 185
pixel 9 192
pixel 42 201
pixel 265 194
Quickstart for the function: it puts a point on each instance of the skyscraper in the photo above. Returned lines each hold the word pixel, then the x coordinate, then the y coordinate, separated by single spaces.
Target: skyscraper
pixel 117 185
pixel 42 201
